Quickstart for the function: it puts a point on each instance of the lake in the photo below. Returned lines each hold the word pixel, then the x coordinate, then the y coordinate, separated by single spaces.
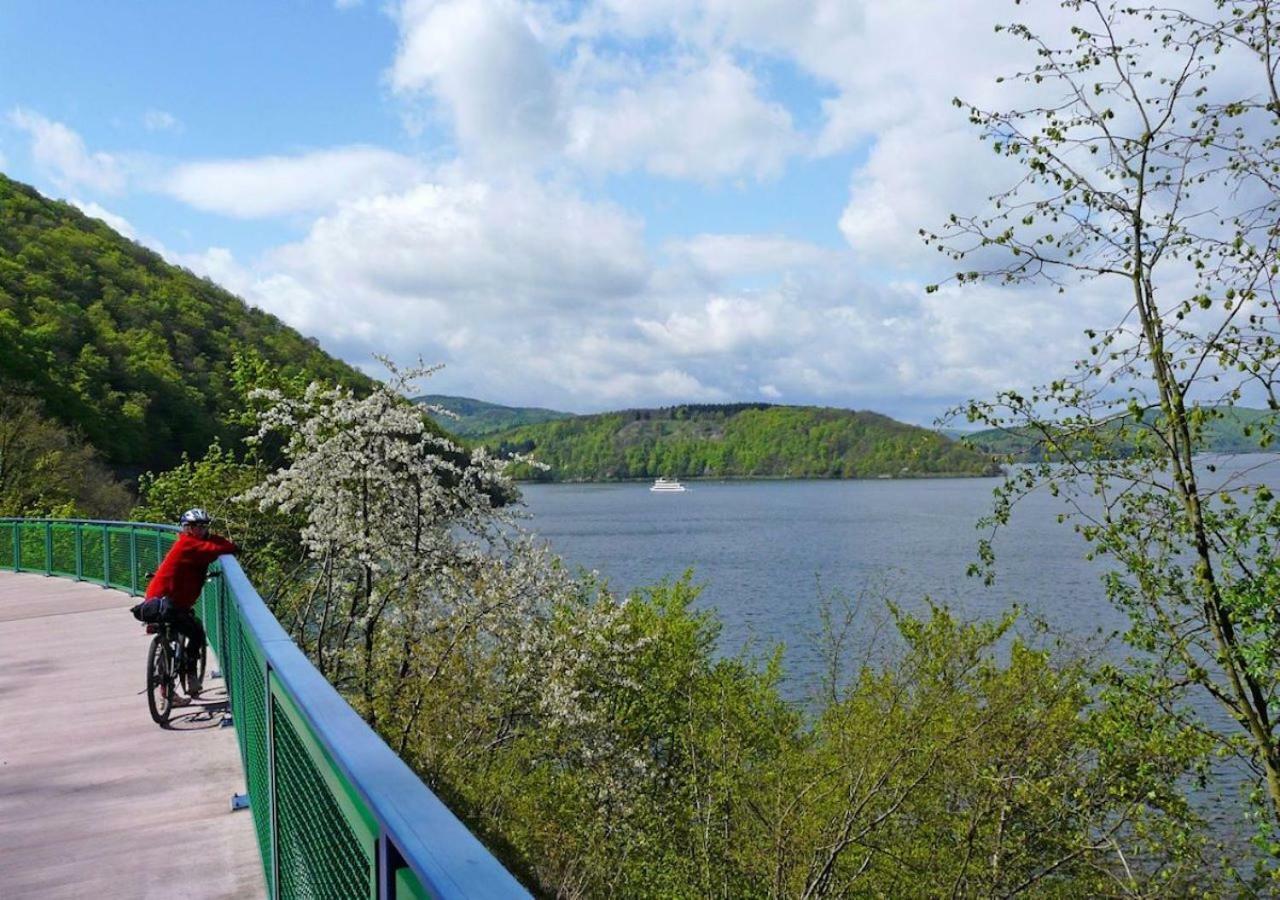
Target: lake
pixel 767 551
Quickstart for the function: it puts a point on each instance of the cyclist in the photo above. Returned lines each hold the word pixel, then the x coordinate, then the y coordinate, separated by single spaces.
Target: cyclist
pixel 181 577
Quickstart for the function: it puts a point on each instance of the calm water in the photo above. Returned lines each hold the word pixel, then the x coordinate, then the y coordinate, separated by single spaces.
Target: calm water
pixel 766 552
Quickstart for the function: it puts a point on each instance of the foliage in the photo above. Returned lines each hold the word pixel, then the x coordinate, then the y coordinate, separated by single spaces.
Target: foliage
pixel 745 440
pixel 636 762
pixel 1149 157
pixel 132 351
pixel 46 470
pixel 469 418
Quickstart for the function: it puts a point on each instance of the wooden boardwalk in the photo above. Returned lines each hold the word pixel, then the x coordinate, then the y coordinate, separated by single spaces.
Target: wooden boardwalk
pixel 96 800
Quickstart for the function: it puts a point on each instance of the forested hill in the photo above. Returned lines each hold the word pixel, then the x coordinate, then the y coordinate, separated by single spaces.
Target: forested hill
pixel 742 440
pixel 475 418
pixel 133 352
pixel 1226 429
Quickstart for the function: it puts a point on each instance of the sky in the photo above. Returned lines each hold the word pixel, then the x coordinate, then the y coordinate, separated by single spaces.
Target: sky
pixel 574 205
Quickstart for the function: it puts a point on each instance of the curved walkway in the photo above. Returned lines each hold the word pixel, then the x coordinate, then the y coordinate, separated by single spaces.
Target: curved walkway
pixel 95 800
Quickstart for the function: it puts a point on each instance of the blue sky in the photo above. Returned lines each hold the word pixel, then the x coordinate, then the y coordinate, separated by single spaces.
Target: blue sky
pixel 574 205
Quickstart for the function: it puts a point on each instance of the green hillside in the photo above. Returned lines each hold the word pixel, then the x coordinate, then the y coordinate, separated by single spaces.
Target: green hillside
pixel 475 418
pixel 1229 429
pixel 742 440
pixel 112 341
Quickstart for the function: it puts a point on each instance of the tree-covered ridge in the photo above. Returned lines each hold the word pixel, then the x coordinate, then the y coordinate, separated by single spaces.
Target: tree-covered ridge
pixel 1224 429
pixel 739 440
pixel 476 418
pixel 114 341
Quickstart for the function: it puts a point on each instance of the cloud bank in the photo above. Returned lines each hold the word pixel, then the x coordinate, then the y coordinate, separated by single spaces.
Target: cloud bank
pixel 503 256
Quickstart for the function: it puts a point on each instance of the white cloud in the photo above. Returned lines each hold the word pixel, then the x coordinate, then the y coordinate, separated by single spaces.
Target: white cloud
pixel 62 154
pixel 459 271
pixel 159 120
pixel 518 84
pixel 482 62
pixel 722 257
pixel 475 243
pixel 909 182
pixel 534 295
pixel 701 121
pixel 119 223
pixel 723 326
pixel 279 185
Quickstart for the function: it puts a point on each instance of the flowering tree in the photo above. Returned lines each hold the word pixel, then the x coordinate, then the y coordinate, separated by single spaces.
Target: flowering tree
pixel 396 520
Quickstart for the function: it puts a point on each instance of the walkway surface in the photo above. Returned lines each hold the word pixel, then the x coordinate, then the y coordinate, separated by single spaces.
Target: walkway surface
pixel 95 799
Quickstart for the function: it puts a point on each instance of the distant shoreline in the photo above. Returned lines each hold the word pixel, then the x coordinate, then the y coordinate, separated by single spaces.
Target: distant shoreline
pixel 711 479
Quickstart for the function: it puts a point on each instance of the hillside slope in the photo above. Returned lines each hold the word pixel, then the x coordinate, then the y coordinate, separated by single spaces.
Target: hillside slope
pixel 1230 429
pixel 743 440
pixel 476 418
pixel 133 352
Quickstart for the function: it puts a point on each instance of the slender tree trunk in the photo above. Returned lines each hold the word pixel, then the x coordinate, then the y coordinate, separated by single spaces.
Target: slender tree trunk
pixel 1251 710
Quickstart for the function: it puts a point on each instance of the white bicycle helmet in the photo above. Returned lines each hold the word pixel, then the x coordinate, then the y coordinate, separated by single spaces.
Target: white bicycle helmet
pixel 194 516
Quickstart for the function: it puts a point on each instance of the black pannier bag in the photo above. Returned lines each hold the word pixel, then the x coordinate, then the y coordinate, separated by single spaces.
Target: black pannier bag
pixel 153 611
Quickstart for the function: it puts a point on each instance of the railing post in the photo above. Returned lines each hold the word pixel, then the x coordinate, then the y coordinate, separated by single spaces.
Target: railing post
pixel 17 546
pixel 224 597
pixel 380 868
pixel 106 557
pixel 79 551
pixel 273 827
pixel 388 861
pixel 48 548
pixel 133 560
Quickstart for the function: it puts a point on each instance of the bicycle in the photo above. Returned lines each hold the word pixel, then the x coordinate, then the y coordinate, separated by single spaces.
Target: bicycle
pixel 166 658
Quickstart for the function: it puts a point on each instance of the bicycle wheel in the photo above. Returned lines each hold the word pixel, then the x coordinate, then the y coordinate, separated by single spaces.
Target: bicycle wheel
pixel 186 669
pixel 159 680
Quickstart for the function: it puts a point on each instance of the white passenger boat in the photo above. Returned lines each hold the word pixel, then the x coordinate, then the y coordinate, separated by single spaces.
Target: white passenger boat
pixel 667 485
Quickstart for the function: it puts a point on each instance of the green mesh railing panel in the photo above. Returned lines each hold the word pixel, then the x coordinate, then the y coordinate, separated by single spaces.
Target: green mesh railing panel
pixel 147 555
pixel 119 574
pixel 31 548
pixel 63 543
pixel 209 609
pixel 91 544
pixel 325 852
pixel 232 669
pixel 251 722
pixel 7 532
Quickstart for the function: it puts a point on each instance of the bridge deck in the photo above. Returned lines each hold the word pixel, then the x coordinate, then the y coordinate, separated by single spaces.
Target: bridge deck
pixel 95 800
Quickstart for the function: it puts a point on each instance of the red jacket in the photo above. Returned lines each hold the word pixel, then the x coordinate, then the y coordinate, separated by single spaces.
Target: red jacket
pixel 181 575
